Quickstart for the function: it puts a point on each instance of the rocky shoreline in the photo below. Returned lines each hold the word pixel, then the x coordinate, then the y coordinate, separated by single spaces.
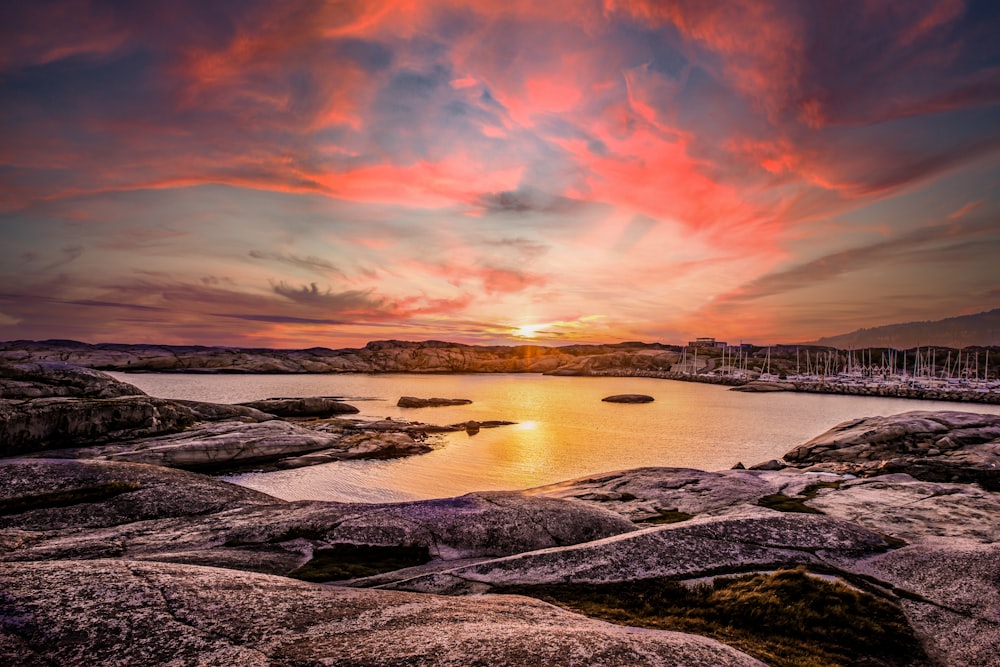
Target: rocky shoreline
pixel 875 543
pixel 647 360
pixel 874 389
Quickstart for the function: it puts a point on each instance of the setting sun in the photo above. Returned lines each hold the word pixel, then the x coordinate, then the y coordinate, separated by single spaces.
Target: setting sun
pixel 528 331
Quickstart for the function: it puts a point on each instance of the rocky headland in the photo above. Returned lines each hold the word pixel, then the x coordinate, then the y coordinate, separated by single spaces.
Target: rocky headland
pixel 850 550
pixel 56 410
pixel 634 359
pixel 389 356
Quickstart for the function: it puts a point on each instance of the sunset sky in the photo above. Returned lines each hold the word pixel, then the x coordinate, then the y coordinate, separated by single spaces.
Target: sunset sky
pixel 303 173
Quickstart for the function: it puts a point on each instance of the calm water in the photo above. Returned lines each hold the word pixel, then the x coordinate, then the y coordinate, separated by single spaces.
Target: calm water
pixel 563 430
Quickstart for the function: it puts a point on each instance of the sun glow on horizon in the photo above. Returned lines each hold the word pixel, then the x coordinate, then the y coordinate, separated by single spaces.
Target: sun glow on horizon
pixel 528 330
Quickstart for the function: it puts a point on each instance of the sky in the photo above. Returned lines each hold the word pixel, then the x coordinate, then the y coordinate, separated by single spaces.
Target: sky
pixel 307 173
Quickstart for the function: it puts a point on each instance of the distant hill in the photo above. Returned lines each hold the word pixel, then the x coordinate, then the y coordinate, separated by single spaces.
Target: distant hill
pixel 964 331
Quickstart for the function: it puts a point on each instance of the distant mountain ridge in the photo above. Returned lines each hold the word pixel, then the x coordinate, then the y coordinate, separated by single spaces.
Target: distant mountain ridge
pixel 981 329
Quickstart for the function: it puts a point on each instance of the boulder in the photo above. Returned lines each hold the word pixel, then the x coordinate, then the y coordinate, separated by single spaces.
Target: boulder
pixel 47 379
pixel 315 406
pixel 933 446
pixel 123 613
pixel 414 402
pixel 628 398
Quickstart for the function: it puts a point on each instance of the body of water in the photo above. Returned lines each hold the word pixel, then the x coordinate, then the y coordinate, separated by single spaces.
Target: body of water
pixel 563 428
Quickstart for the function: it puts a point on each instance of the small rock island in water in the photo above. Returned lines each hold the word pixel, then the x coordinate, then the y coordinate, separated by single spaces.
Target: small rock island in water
pixel 628 398
pixel 875 543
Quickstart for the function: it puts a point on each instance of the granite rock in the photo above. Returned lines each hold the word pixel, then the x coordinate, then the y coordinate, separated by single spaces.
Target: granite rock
pixel 55 494
pixel 50 423
pixel 414 402
pixel 933 446
pixel 313 406
pixel 47 379
pixel 123 613
pixel 739 542
pixel 628 398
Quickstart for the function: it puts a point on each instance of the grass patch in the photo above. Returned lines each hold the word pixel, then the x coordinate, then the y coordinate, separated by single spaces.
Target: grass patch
pixel 783 503
pixel 785 619
pixel 93 493
pixel 348 561
pixel 667 516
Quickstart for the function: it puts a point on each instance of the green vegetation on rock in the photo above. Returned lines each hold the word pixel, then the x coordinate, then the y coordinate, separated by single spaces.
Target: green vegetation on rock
pixel 786 619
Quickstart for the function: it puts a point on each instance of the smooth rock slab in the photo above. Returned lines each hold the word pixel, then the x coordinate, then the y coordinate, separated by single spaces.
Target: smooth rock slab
pixel 161 493
pixel 48 379
pixel 956 584
pixel 280 537
pixel 912 510
pixel 700 547
pixel 642 493
pixel 213 445
pixel 628 398
pixel 120 613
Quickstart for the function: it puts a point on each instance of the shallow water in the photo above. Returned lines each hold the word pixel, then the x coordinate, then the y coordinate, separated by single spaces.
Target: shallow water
pixel 563 429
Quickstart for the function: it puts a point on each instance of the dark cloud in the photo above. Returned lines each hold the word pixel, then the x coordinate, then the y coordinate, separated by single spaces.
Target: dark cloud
pixel 310 263
pixel 526 248
pixel 111 304
pixel 69 254
pixel 355 301
pixel 280 319
pixel 528 200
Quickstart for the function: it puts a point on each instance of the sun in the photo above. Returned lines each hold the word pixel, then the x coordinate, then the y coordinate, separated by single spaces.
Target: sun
pixel 528 330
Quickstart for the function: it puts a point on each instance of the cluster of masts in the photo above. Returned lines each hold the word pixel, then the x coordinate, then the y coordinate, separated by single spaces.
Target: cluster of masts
pixel 890 366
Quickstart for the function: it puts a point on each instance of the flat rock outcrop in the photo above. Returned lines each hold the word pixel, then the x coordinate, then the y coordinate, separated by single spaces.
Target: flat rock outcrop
pixel 51 423
pixel 628 398
pixel 212 445
pixel 57 494
pixel 131 613
pixel 47 379
pixel 933 446
pixel 749 541
pixel 313 406
pixel 279 537
pixel 646 493
pixel 951 596
pixel 414 402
